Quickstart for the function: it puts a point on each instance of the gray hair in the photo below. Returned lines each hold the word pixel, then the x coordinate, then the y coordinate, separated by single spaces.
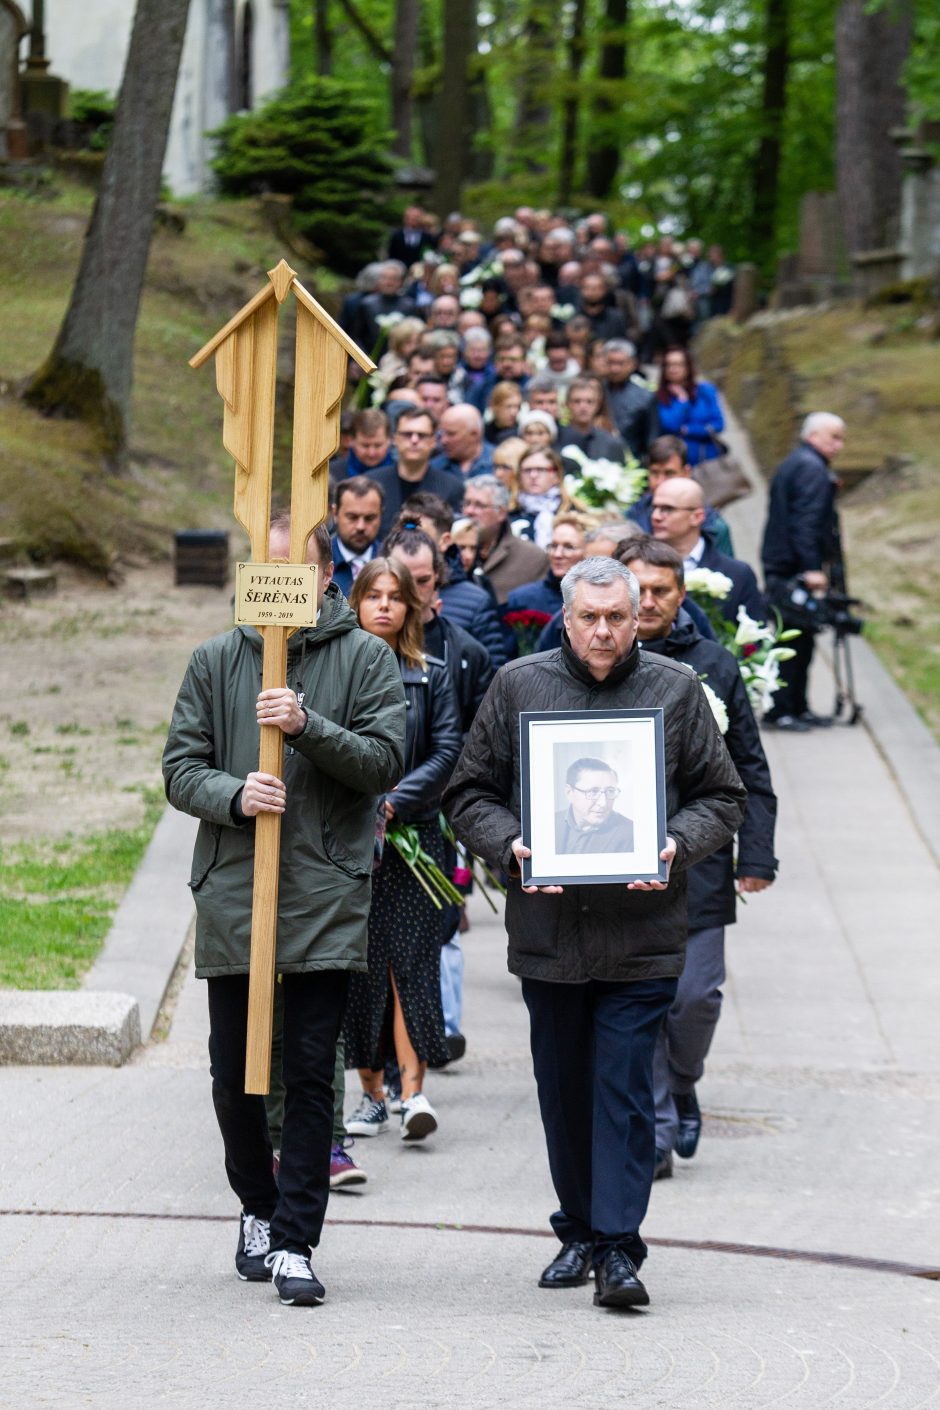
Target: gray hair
pixel 599 572
pixel 620 345
pixel 368 276
pixel 477 335
pixel 621 531
pixel 497 490
pixel 541 383
pixel 440 338
pixel 820 421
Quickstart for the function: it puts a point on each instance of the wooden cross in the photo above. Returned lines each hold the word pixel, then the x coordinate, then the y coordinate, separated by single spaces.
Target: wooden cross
pixel 246 372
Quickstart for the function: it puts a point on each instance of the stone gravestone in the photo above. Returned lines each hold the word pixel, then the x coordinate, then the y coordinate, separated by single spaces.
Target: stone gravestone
pixel 12 28
pixel 920 203
pixel 821 248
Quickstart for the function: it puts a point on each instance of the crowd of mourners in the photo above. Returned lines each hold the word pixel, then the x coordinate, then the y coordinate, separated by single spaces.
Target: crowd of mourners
pixel 524 377
pixel 504 363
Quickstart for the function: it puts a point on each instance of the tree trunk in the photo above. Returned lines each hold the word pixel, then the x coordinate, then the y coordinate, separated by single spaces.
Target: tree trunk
pixel 322 38
pixel 89 372
pixel 404 44
pixel 871 49
pixel 766 170
pixel 604 152
pixel 535 70
pixel 451 159
pixel 571 104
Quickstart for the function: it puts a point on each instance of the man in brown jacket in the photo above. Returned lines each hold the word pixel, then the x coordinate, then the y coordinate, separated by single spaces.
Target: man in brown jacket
pixel 508 562
pixel 599 963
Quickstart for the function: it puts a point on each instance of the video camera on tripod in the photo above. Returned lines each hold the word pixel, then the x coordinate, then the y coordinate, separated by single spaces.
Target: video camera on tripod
pixel 833 608
pixel 830 609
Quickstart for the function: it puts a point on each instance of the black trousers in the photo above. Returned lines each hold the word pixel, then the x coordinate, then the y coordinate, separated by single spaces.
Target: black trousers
pixel 592 1050
pixel 791 699
pixel 313 1014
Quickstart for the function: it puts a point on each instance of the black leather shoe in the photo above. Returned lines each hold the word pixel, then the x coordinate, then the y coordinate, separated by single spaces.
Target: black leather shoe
pixel 816 721
pixel 662 1170
pixel 617 1283
pixel 690 1124
pixel 790 724
pixel 570 1269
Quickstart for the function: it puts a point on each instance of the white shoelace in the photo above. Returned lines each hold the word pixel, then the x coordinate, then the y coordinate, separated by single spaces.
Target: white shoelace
pixel 289 1265
pixel 257 1235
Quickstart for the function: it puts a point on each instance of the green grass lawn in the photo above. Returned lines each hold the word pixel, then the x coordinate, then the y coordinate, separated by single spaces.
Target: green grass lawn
pixel 57 901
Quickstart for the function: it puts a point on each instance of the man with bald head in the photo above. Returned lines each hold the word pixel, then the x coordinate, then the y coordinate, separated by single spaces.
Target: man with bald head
pixel 801 542
pixel 463 450
pixel 677 515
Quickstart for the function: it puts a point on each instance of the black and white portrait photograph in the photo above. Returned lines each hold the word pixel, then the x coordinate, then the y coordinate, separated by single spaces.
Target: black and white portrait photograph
pixel 593 798
pixel 590 799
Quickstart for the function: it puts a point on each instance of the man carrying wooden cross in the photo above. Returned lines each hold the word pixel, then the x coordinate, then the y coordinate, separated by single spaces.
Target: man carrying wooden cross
pixel 343 717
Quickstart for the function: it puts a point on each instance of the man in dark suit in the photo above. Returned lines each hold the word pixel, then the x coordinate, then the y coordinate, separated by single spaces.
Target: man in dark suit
pixel 414 442
pixel 801 540
pixel 410 242
pixel 357 513
pixel 677 515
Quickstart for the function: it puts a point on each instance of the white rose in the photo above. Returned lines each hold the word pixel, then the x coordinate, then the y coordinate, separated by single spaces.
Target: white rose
pixel 471 298
pixel 717 706
pixel 710 583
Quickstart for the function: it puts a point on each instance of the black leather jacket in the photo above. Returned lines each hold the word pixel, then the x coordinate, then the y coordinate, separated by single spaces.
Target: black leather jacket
pixel 432 741
pixel 596 931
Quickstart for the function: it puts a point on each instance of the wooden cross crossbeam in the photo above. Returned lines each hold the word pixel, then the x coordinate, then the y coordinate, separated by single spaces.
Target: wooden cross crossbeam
pixel 246 373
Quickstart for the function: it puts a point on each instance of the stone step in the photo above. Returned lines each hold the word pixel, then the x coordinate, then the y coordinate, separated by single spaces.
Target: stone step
pixel 29 582
pixel 67 1027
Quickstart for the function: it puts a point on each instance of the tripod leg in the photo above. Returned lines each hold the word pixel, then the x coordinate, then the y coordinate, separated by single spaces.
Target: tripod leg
pixel 856 711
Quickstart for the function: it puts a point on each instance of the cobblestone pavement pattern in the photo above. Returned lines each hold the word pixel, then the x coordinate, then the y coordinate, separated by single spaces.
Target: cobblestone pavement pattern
pixel 822 1101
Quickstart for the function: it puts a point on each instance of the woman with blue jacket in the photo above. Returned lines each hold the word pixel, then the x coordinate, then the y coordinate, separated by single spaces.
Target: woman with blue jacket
pixel 688 407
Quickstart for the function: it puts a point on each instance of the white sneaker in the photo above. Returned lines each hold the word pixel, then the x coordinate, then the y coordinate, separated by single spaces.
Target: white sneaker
pixel 418 1118
pixel 369 1119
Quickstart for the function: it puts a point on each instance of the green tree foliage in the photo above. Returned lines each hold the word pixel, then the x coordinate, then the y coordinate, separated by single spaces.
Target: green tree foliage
pixel 321 141
pixel 686 119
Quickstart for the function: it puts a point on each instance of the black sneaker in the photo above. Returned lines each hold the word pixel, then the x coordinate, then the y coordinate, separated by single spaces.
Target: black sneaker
pixel 296 1283
pixel 254 1245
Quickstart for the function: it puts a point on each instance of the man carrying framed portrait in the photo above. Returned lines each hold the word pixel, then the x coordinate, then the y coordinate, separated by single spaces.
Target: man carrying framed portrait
pixel 598 940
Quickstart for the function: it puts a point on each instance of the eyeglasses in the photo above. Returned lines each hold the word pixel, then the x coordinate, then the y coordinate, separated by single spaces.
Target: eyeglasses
pixel 563 548
pixel 669 509
pixel 415 435
pixel 537 470
pixel 592 794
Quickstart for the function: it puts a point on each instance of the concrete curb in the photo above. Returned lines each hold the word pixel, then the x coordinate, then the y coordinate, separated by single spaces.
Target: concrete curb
pixel 151 924
pixel 64 1027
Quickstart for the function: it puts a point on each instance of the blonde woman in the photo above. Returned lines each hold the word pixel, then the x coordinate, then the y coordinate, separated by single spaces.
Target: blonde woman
pixel 394 1011
pixel 403 338
pixel 541 494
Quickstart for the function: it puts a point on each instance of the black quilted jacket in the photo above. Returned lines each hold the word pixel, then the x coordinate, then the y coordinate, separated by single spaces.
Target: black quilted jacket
pixel 596 932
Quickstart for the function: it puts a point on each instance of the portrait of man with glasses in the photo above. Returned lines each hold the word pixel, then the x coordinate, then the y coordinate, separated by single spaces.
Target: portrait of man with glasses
pixel 589 822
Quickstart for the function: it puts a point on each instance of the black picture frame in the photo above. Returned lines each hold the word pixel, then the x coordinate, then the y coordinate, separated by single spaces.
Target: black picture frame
pixel 579 833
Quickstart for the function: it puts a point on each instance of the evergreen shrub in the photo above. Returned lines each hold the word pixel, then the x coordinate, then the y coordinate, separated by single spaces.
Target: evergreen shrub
pixel 320 141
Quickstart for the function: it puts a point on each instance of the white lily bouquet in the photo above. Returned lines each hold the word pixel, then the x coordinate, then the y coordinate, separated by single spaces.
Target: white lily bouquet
pixel 757 647
pixel 605 484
